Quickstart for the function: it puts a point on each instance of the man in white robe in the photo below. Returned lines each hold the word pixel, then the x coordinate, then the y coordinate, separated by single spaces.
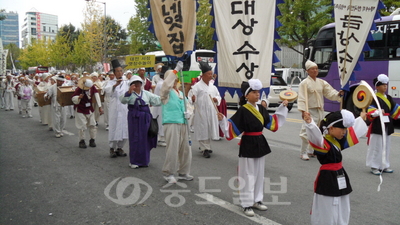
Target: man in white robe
pixel 58 112
pixel 107 95
pixel 205 97
pixel 118 112
pixel 9 89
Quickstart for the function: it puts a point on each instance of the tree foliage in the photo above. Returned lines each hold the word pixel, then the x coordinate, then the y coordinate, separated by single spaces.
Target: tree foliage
pixel 204 30
pixel 15 52
pixel 301 20
pixel 391 5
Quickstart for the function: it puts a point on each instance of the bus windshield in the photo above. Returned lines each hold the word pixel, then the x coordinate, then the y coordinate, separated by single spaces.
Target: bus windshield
pixel 384 57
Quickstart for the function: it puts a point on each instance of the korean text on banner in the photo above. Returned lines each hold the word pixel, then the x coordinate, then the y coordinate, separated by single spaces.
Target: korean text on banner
pixel 353 20
pixel 174 25
pixel 245 31
pixel 138 61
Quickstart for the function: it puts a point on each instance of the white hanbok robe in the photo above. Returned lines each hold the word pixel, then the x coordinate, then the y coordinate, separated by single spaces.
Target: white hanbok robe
pixel 118 112
pixel 205 117
pixel 45 115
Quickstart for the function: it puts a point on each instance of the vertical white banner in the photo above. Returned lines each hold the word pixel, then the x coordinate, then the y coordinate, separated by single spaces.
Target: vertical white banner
pixel 353 20
pixel 174 24
pixel 245 31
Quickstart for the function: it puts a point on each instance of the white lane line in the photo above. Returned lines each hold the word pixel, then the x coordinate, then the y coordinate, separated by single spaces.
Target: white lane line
pixel 236 209
pixel 68 133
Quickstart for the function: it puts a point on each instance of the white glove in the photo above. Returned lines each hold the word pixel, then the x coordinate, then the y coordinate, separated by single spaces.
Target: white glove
pixel 187 115
pixel 179 66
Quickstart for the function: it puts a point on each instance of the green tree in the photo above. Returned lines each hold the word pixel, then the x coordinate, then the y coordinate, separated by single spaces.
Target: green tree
pixel 69 33
pixel 391 5
pixel 301 20
pixel 36 54
pixel 204 30
pixel 2 16
pixel 80 56
pixel 59 55
pixel 142 40
pixel 15 52
pixel 116 38
pixel 94 32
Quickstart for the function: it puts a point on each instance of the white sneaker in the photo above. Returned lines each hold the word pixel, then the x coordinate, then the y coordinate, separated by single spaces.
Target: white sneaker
pixel 58 135
pixel 260 206
pixel 248 211
pixel 23 116
pixel 185 177
pixel 170 179
pixel 133 166
pixel 62 134
pixel 30 116
pixel 107 127
pixel 304 157
pixel 162 143
pixel 375 171
pixel 387 170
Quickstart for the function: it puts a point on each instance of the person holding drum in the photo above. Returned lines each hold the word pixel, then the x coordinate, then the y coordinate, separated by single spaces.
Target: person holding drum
pixel 312 91
pixel 391 111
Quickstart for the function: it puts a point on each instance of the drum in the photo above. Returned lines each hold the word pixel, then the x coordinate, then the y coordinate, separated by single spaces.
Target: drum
pixel 362 97
pixel 288 95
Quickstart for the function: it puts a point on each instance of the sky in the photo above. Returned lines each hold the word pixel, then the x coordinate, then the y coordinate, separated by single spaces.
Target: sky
pixel 70 11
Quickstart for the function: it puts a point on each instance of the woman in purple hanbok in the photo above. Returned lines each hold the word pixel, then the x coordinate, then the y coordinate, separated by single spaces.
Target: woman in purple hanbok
pixel 139 118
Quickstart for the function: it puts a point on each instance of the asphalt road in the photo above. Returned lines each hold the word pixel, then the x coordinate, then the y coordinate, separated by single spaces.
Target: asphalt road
pixel 49 180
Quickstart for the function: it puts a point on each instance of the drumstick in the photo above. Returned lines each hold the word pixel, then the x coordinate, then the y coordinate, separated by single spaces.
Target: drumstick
pixel 215 106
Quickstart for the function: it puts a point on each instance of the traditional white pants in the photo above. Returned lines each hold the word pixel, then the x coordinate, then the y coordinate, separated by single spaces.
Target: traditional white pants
pixel 328 210
pixel 19 104
pixel 251 180
pixel 59 119
pixel 45 115
pixel 205 145
pixel 70 110
pixel 26 107
pixel 83 122
pixel 106 106
pixel 178 156
pixel 375 149
pixel 9 100
pixel 117 144
pixel 317 115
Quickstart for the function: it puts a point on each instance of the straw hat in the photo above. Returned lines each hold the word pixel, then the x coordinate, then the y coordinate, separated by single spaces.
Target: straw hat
pixel 85 83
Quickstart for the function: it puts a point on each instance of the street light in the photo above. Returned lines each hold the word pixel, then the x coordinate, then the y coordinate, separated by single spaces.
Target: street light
pixel 105 29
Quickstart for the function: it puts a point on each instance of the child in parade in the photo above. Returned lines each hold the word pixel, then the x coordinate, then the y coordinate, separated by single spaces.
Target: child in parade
pixel 26 92
pixel 338 131
pixel 250 120
pixel 391 111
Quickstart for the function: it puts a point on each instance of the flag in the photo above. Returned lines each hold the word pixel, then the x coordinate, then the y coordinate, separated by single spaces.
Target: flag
pixel 174 24
pixel 353 22
pixel 245 32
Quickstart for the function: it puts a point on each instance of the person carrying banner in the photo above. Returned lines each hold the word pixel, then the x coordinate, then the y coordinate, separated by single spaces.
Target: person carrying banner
pixel 250 120
pixel 84 110
pixel 205 96
pixel 312 91
pixel 139 118
pixel 338 131
pixel 391 111
pixel 118 124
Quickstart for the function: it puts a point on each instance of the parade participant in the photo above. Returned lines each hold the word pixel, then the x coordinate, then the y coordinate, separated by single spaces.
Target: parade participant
pixel 157 110
pixel 312 91
pixel 139 118
pixel 118 124
pixel 250 120
pixel 146 82
pixel 26 92
pixel 9 85
pixel 178 157
pixel 19 83
pixel 45 111
pixel 58 112
pixel 2 88
pixel 69 109
pixel 107 95
pixel 84 110
pixel 98 84
pixel 391 111
pixel 157 76
pixel 338 131
pixel 128 75
pixel 204 95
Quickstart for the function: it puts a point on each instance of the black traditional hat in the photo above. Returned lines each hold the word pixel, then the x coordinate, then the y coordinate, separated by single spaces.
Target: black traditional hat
pixel 204 67
pixel 115 63
pixel 163 70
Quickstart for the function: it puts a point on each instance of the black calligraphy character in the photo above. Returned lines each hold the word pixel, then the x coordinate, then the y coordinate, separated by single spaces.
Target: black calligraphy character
pixel 249 72
pixel 247 30
pixel 352 21
pixel 344 41
pixel 246 43
pixel 247 6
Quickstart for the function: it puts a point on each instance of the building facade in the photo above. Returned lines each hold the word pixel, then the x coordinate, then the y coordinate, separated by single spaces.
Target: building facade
pixel 9 29
pixel 39 26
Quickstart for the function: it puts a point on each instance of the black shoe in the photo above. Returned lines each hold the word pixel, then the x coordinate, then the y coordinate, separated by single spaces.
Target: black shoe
pixel 113 154
pixel 71 117
pixel 120 152
pixel 97 124
pixel 82 144
pixel 206 154
pixel 92 143
pixel 35 105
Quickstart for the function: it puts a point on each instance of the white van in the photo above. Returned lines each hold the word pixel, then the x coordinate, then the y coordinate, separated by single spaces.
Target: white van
pixel 292 76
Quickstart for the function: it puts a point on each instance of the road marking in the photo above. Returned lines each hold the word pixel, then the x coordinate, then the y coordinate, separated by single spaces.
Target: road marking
pixel 69 133
pixel 236 209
